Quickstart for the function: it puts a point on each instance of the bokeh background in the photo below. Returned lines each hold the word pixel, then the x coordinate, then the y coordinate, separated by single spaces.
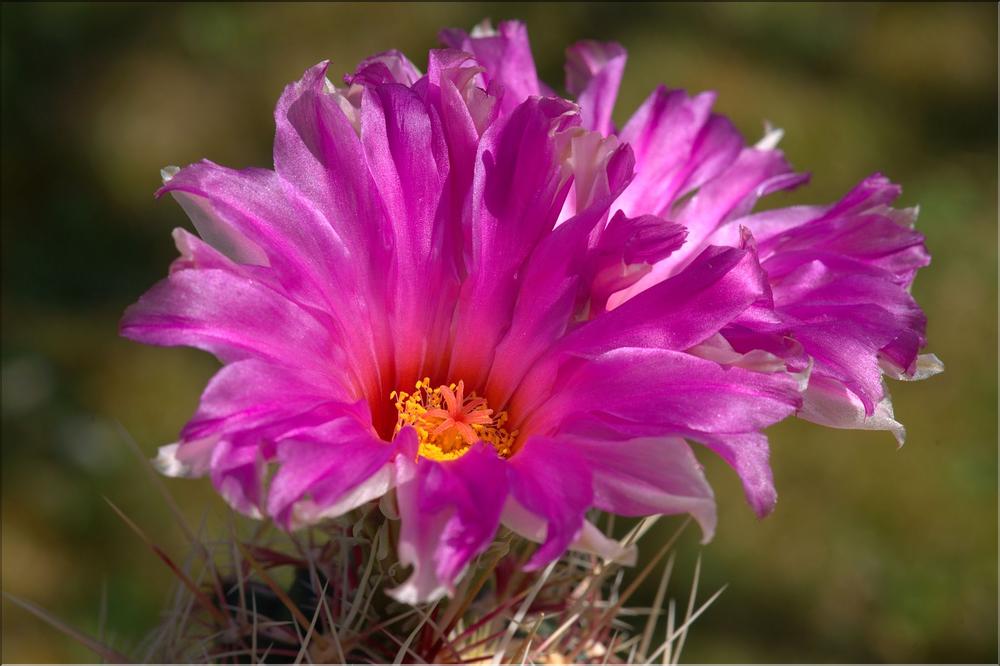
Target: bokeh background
pixel 873 554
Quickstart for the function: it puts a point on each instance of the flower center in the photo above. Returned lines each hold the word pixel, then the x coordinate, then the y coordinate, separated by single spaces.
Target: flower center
pixel 448 422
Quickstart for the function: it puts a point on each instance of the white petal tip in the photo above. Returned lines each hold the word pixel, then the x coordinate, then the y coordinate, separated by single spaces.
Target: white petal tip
pixel 772 137
pixel 928 365
pixel 166 462
pixel 483 29
pixel 168 172
pixel 408 594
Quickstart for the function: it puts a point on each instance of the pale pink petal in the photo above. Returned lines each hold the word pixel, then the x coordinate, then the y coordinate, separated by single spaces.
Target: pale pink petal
pixel 593 73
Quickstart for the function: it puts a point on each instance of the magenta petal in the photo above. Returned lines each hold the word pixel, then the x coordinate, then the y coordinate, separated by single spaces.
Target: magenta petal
pixel 520 184
pixel 237 472
pixel 847 319
pixel 840 277
pixel 675 314
pixel 754 174
pixel 319 466
pixel 591 539
pixel 553 281
pixel 505 53
pixel 229 316
pixel 593 73
pixel 408 158
pixel 251 392
pixel 466 111
pixel 317 149
pixel 548 479
pixel 450 512
pixel 301 248
pixel 682 311
pixel 748 454
pixel 679 145
pixel 656 392
pixel 626 251
pixel 650 391
pixel 646 476
pixel 829 402
pixel 387 67
pixel 733 193
pixel 217 232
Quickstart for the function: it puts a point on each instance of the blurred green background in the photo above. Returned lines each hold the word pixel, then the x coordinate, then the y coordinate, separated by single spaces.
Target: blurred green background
pixel 873 554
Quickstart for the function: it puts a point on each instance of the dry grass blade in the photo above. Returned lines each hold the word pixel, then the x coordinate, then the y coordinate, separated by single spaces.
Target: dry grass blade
pixel 629 591
pixel 309 632
pixel 668 641
pixel 405 646
pixel 690 608
pixel 103 651
pixel 522 611
pixel 523 652
pixel 667 645
pixel 188 583
pixel 157 480
pixel 555 635
pixel 654 611
pixel 274 587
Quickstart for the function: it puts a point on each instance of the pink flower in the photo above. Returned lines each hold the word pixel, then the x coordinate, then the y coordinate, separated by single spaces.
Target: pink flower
pixel 459 287
pixel 839 275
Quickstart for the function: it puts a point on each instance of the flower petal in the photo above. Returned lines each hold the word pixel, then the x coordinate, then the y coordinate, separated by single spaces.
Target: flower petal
pixel 237 472
pixel 553 282
pixel 591 540
pixel 408 158
pixel 450 512
pixel 679 145
pixel 731 194
pixel 252 392
pixel 547 479
pixel 229 316
pixel 626 250
pixel 505 53
pixel 828 402
pixel 520 184
pixel 319 466
pixel 635 392
pixel 675 314
pixel 593 73
pixel 387 67
pixel 646 476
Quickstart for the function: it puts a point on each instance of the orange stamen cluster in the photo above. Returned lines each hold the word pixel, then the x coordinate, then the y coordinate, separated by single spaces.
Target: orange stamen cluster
pixel 448 422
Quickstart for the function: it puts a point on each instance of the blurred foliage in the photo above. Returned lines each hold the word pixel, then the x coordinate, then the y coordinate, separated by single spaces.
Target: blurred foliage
pixel 874 554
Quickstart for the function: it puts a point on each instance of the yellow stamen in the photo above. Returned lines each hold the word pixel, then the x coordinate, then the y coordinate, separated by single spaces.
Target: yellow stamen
pixel 448 422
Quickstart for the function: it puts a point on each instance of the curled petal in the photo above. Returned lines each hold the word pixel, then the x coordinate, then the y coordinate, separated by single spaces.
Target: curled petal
pixel 676 314
pixel 591 540
pixel 550 481
pixel 679 145
pixel 521 181
pixel 647 476
pixel 386 67
pixel 450 512
pixel 828 402
pixel 593 73
pixel 505 54
pixel 326 470
pixel 635 392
